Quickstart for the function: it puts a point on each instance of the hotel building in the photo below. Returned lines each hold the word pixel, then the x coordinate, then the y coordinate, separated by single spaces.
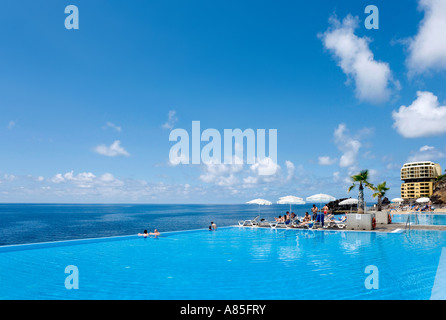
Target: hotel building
pixel 419 179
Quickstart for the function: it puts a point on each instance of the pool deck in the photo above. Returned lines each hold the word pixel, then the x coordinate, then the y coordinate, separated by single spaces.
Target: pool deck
pixel 393 227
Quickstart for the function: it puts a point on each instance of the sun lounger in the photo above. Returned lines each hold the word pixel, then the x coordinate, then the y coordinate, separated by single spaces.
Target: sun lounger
pixel 282 225
pixel 335 224
pixel 264 223
pixel 249 223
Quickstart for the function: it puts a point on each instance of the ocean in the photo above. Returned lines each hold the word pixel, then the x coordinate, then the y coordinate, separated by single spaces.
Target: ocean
pixel 32 223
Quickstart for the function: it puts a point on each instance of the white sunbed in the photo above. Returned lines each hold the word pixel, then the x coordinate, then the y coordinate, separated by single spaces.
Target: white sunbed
pixel 249 223
pixel 336 223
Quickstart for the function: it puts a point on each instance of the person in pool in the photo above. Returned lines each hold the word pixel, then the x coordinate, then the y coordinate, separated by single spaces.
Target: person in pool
pixel 144 234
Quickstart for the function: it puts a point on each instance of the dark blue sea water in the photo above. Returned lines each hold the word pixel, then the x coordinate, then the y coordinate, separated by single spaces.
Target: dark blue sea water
pixel 31 223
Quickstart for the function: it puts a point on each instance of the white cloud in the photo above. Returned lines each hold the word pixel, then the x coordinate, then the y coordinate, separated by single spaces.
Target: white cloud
pixel 326 161
pixel 265 167
pixel 9 177
pixel 426 153
pixel 11 124
pixel 427 49
pixel 113 126
pixel 424 117
pixel 86 179
pixel 235 177
pixel 347 145
pixel 171 121
pixel 372 78
pixel 113 150
pixel 290 169
pixel 221 174
pixel 336 176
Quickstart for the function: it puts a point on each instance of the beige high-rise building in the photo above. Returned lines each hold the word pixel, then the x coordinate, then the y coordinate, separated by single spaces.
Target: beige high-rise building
pixel 419 178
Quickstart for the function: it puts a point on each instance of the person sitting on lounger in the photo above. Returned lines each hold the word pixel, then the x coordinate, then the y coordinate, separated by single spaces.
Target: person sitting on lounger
pixel 306 220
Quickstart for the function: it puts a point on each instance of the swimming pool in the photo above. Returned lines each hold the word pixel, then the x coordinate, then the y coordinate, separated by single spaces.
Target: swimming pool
pixel 421 219
pixel 232 263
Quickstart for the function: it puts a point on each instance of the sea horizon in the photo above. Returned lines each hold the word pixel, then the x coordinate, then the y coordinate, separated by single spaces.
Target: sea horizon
pixel 46 222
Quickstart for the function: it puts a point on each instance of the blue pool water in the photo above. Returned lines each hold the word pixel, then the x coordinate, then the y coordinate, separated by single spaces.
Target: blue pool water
pixel 55 222
pixel 421 219
pixel 230 263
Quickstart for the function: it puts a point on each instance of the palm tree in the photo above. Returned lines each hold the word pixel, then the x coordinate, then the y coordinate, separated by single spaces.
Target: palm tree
pixel 380 192
pixel 361 178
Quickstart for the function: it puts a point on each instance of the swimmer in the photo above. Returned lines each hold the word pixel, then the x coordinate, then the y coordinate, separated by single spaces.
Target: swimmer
pixel 144 234
pixel 154 233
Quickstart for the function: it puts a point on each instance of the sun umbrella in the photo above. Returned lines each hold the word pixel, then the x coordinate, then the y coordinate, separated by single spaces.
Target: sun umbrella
pixel 260 202
pixel 320 198
pixel 290 200
pixel 350 202
pixel 397 200
pixel 423 200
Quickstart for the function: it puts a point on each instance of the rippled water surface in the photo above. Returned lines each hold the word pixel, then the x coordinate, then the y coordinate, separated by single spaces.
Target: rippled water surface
pixel 230 263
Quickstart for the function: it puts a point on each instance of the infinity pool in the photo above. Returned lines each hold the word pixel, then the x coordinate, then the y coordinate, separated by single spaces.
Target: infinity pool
pixel 230 263
pixel 421 218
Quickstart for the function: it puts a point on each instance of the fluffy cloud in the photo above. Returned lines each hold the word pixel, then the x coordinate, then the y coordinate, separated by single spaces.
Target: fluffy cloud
pixel 348 145
pixel 171 121
pixel 241 176
pixel 290 169
pixel 86 179
pixel 113 150
pixel 221 174
pixel 326 161
pixel 372 78
pixel 426 153
pixel 113 126
pixel 427 50
pixel 11 124
pixel 424 117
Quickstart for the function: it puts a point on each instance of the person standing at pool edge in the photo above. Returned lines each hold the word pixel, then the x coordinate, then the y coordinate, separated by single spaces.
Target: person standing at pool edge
pixel 314 210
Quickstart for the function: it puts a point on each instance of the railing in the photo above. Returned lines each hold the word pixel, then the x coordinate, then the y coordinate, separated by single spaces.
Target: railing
pixel 408 221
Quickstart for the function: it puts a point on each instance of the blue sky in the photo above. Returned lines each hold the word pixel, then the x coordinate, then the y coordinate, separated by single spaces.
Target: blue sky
pixel 85 113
